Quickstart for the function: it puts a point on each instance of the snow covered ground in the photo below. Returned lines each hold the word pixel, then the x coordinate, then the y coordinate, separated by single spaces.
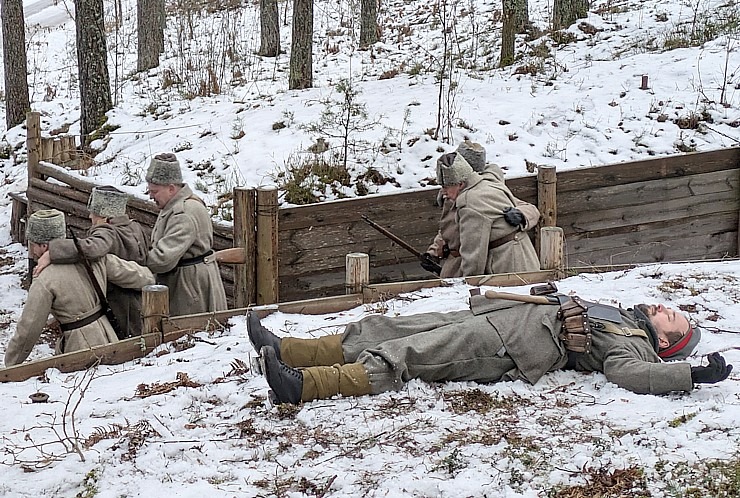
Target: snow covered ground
pixel 192 419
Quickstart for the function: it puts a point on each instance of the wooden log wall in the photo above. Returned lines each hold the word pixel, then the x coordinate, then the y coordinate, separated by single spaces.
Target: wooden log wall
pixel 672 208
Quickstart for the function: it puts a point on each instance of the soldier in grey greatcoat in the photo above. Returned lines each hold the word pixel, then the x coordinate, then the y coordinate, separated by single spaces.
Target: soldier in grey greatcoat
pixel 111 232
pixel 67 292
pixel 182 242
pixel 445 248
pixel 496 340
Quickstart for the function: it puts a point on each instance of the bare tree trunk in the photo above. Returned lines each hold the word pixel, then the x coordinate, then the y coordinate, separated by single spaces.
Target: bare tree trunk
pixel 269 29
pixel 508 32
pixel 565 12
pixel 150 31
pixel 92 65
pixel 14 60
pixel 521 16
pixel 162 17
pixel 301 58
pixel 368 22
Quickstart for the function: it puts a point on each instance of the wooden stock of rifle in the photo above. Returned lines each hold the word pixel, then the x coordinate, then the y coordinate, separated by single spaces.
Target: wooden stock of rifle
pixel 425 258
pixel 524 298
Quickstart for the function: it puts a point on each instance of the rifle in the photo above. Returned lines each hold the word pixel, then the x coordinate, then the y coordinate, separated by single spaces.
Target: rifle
pixel 424 258
pixel 96 285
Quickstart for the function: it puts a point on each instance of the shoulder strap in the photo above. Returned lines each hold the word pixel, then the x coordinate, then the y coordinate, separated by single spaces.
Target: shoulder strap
pixel 613 328
pixel 96 285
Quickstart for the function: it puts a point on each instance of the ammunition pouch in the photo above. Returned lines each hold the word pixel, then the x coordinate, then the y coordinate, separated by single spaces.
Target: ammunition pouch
pixel 576 330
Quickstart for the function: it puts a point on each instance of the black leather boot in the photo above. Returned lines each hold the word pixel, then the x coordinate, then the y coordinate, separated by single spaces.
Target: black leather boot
pixel 259 336
pixel 286 382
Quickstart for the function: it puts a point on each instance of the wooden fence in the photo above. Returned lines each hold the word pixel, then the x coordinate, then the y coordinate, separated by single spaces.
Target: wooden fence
pixel 673 208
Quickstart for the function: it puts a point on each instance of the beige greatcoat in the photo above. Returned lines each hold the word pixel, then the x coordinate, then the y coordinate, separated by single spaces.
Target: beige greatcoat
pixel 449 230
pixel 66 292
pixel 184 230
pixel 127 240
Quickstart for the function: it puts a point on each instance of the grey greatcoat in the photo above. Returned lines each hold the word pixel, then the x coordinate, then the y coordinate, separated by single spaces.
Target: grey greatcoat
pixel 500 340
pixel 183 230
pixel 476 219
pixel 127 240
pixel 66 292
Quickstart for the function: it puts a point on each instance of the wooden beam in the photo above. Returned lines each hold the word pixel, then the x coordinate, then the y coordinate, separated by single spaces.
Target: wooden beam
pixel 245 276
pixel 33 142
pixel 268 285
pixel 109 354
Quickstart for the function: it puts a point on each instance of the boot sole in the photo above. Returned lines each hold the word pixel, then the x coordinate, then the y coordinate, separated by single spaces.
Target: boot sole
pixel 258 364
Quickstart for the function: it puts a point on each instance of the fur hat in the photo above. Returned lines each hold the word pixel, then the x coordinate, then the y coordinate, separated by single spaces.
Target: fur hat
pixel 474 153
pixel 452 169
pixel 45 225
pixel 164 169
pixel 107 202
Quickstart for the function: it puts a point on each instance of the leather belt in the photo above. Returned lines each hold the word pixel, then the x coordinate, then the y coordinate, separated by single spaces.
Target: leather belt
pixel 189 262
pixel 493 244
pixel 66 327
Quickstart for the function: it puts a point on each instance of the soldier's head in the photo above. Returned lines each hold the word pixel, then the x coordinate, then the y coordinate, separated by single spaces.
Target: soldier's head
pixel 474 153
pixel 42 227
pixel 164 178
pixel 106 203
pixel 452 173
pixel 675 335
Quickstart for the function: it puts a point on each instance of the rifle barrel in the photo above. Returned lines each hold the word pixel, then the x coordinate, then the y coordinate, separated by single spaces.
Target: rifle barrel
pixel 393 237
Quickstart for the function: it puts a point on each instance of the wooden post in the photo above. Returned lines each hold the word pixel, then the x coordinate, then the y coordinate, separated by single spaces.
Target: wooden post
pixel 267 245
pixel 245 276
pixel 56 151
pixel 546 200
pixel 63 150
pixel 547 195
pixel 357 266
pixel 644 82
pixel 155 305
pixel 552 248
pixel 33 143
pixel 71 147
pixel 46 144
pixel 18 215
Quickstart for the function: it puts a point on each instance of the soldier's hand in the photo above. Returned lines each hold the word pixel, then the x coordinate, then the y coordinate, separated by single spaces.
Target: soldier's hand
pixel 514 217
pixel 43 262
pixel 716 371
pixel 430 263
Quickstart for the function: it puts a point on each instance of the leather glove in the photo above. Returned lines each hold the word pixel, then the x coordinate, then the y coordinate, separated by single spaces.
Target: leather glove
pixel 716 371
pixel 430 263
pixel 514 217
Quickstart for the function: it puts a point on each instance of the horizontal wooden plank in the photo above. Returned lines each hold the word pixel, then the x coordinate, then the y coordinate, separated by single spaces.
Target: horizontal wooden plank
pixel 695 238
pixel 646 192
pixel 649 169
pixel 653 232
pixel 672 250
pixel 109 354
pixel 705 205
pixel 344 211
pixel 328 283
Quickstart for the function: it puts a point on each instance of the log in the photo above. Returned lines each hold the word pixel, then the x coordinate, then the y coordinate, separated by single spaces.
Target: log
pixel 267 245
pixel 357 272
pixel 552 248
pixel 155 306
pixel 33 143
pixel 245 277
